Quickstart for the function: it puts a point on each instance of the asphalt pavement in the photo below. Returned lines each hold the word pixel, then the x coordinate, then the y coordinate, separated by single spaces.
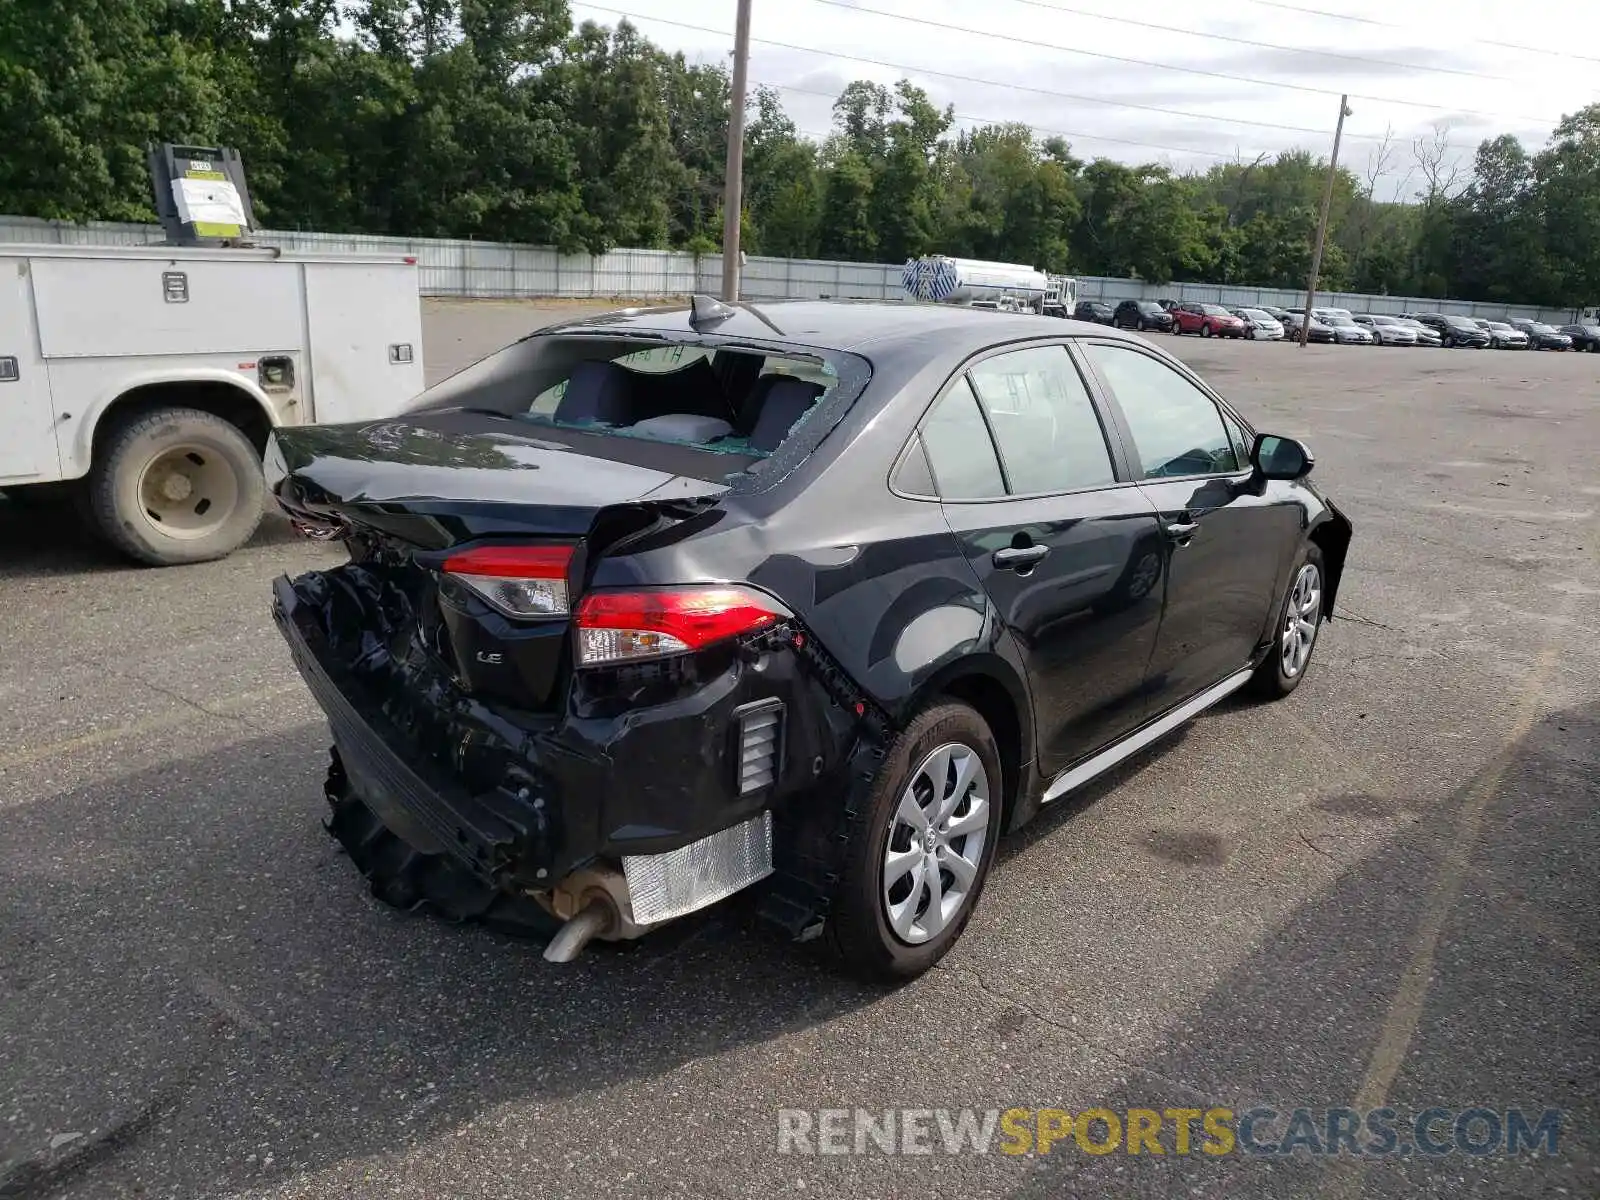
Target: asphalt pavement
pixel 1380 892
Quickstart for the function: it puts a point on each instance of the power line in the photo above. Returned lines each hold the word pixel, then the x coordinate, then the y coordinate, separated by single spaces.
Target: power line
pixel 1059 95
pixel 1087 137
pixel 1016 87
pixel 1239 41
pixel 1333 16
pixel 851 6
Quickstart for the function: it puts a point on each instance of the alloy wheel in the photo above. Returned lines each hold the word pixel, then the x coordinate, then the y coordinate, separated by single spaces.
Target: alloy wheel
pixel 1301 620
pixel 936 843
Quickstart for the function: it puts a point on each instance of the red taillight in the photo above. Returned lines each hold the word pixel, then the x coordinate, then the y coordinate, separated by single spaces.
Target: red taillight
pixel 520 581
pixel 616 627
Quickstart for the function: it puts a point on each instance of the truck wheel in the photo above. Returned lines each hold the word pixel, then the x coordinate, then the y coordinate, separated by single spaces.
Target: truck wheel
pixel 915 868
pixel 176 486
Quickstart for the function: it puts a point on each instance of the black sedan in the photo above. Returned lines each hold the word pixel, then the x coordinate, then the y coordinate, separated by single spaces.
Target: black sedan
pixel 1097 311
pixel 1454 331
pixel 1542 336
pixel 652 607
pixel 1316 332
pixel 1142 315
pixel 1583 337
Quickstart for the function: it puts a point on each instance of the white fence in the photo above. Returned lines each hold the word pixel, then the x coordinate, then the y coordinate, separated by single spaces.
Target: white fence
pixel 489 270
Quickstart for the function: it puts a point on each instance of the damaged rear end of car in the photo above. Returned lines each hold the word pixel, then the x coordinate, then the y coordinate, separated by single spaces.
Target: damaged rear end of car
pixel 552 693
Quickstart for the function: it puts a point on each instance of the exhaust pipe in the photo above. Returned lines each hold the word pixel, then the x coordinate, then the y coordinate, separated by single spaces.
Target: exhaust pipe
pixel 593 919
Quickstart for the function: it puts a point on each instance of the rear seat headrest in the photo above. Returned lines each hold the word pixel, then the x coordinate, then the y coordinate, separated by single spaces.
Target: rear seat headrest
pixel 597 391
pixel 787 400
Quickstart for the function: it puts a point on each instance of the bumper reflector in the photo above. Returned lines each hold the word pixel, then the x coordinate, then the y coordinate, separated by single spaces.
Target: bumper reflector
pixel 663 886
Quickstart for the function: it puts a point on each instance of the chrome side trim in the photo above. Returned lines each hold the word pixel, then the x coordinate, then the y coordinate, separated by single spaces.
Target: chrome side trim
pixel 1079 775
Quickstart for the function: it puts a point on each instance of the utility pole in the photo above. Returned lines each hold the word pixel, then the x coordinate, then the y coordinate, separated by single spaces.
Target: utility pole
pixel 1322 224
pixel 733 190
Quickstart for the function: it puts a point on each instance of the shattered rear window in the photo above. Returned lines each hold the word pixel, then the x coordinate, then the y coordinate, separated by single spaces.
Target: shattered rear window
pixel 726 397
pixel 716 399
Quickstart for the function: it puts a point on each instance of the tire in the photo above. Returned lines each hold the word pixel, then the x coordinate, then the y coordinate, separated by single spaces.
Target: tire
pixel 859 926
pixel 1275 678
pixel 1448 342
pixel 196 454
pixel 1205 330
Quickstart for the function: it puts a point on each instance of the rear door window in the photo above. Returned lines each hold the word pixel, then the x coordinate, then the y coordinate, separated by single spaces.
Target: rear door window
pixel 1049 435
pixel 960 452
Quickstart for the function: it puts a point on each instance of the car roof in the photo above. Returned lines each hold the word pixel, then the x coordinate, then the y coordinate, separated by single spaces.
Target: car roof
pixel 845 324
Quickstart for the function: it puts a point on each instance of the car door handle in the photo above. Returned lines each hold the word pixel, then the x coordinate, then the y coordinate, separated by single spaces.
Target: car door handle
pixel 1182 531
pixel 1014 557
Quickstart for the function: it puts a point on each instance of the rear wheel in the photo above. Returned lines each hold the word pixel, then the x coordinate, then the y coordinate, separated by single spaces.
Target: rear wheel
pixel 176 486
pixel 1295 633
pixel 916 867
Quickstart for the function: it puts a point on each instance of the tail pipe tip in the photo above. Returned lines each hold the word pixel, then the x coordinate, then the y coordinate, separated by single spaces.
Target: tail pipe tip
pixel 592 920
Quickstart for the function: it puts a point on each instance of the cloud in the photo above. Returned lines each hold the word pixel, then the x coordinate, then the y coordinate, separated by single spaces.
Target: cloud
pixel 1294 88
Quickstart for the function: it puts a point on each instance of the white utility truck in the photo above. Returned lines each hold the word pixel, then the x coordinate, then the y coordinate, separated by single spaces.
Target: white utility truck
pixel 143 380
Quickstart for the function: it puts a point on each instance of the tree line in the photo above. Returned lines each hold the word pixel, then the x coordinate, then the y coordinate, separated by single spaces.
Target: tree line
pixel 505 120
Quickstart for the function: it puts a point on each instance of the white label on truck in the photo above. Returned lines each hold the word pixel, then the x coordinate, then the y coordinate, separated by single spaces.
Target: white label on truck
pixel 209 201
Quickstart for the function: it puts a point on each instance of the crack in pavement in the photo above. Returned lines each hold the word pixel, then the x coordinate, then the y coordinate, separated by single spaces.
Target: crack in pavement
pixel 1077 1035
pixel 1346 615
pixel 39 1176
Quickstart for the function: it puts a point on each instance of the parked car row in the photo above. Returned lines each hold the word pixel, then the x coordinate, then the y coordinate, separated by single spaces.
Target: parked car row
pixel 1337 326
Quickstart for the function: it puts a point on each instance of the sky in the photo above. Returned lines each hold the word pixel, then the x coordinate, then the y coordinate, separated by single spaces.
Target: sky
pixel 1409 66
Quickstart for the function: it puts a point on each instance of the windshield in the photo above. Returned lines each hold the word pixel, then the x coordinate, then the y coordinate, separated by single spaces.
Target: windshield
pixel 1376 320
pixel 1343 322
pixel 1215 310
pixel 1254 314
pixel 1150 306
pixel 1460 323
pixel 737 401
pixel 1536 327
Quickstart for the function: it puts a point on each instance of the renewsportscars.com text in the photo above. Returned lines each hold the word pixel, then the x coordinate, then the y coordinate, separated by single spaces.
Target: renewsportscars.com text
pixel 1179 1132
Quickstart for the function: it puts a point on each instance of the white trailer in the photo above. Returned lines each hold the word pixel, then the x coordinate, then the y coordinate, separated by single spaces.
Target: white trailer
pixel 143 381
pixel 1006 286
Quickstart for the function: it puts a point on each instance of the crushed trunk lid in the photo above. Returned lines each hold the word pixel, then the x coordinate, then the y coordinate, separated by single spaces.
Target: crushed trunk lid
pixel 405 493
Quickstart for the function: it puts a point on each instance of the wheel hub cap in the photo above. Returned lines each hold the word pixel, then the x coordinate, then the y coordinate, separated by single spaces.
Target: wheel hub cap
pixel 936 843
pixel 188 491
pixel 1301 619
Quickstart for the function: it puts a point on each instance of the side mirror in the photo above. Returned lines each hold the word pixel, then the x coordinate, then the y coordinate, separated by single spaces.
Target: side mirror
pixel 1274 457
